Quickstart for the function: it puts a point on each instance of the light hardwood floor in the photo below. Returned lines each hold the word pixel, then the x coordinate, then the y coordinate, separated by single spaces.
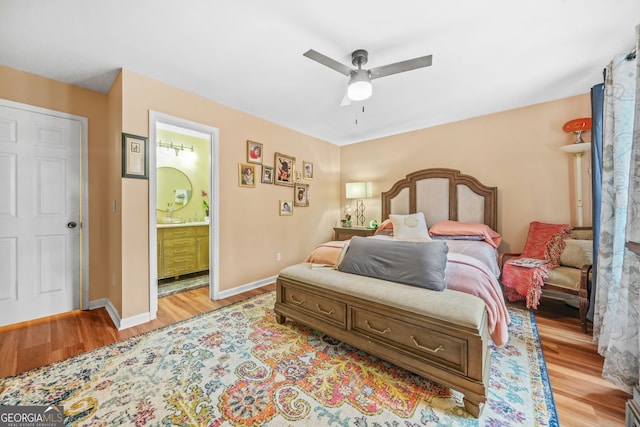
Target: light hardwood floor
pixel 582 397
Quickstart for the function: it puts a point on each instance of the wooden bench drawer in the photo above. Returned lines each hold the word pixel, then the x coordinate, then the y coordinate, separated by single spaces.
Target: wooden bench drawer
pixel 444 350
pixel 316 305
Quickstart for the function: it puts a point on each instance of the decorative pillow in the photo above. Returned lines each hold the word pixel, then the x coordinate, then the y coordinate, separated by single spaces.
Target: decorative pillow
pixel 453 228
pixel 577 253
pixel 410 227
pixel 419 264
pixel 545 241
pixel 386 228
pixel 342 253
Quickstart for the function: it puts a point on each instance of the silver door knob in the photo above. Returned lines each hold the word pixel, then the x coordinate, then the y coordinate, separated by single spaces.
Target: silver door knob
pixel 72 224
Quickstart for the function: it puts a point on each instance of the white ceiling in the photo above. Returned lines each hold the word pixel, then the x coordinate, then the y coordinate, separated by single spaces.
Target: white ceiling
pixel 488 56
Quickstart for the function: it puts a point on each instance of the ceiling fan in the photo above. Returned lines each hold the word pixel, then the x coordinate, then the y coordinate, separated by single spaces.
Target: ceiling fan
pixel 359 87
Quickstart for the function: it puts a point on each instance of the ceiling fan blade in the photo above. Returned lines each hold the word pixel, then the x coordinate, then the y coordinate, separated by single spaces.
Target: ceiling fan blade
pixel 331 63
pixel 346 101
pixel 400 67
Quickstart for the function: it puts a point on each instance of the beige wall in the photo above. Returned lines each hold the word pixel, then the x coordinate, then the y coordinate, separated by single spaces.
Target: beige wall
pixel 516 151
pixel 251 231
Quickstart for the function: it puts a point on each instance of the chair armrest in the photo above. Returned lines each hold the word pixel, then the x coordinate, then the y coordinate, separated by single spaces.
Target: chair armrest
pixel 585 272
pixel 505 256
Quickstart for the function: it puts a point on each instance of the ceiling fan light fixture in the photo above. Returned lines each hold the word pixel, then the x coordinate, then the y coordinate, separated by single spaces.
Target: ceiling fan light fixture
pixel 360 87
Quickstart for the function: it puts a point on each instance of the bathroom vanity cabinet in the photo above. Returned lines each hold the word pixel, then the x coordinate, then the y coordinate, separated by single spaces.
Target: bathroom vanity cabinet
pixel 182 249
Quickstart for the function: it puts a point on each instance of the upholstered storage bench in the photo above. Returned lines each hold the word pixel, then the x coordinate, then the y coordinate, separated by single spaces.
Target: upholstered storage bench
pixel 442 336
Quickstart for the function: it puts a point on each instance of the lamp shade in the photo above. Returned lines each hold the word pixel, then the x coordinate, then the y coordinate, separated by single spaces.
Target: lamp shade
pixel 358 190
pixel 360 87
pixel 577 125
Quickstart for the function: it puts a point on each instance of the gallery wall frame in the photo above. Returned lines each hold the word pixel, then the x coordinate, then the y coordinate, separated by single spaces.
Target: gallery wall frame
pixel 246 175
pixel 301 195
pixel 307 169
pixel 254 152
pixel 267 175
pixel 284 167
pixel 135 158
pixel 285 207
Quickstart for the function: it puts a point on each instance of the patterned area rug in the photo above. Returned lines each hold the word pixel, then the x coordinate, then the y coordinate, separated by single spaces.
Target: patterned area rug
pixel 237 367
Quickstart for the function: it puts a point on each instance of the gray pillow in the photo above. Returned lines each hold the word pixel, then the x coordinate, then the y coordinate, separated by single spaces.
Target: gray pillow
pixel 412 263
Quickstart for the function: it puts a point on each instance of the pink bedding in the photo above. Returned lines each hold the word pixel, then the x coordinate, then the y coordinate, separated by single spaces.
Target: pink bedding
pixel 463 273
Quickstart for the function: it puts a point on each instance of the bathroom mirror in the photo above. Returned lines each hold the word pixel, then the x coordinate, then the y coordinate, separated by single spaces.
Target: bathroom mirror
pixel 174 189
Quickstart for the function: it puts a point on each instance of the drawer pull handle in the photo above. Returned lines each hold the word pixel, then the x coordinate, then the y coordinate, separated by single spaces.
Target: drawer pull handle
pixel 297 301
pixel 328 313
pixel 366 322
pixel 180 252
pixel 430 350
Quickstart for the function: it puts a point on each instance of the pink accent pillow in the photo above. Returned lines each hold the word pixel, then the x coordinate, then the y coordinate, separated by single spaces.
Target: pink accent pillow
pixel 385 228
pixel 456 228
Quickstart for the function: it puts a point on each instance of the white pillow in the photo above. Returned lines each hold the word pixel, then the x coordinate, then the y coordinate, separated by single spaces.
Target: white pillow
pixel 410 227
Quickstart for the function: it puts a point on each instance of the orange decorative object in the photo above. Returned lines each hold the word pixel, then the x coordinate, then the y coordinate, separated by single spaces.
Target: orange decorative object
pixel 577 125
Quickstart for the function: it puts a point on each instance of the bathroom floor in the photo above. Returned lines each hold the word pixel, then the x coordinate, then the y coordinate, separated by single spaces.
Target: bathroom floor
pixel 183 283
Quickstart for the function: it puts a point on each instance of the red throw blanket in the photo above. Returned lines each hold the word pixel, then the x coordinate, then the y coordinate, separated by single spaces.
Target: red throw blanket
pixel 545 242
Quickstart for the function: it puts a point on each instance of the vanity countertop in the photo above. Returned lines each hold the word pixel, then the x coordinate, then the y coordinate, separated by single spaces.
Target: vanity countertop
pixel 183 224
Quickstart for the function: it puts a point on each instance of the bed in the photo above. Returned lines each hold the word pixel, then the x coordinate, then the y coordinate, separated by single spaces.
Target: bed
pixel 440 332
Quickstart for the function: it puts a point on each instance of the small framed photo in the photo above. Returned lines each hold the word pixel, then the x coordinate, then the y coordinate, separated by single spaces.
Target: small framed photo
pixel 135 162
pixel 246 175
pixel 254 152
pixel 285 207
pixel 298 176
pixel 267 175
pixel 301 194
pixel 284 166
pixel 307 170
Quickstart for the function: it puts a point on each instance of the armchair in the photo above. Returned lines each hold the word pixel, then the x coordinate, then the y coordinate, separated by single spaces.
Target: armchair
pixel 573 274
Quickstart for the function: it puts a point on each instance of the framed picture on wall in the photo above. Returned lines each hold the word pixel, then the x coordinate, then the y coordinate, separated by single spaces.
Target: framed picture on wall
pixel 307 170
pixel 135 162
pixel 285 207
pixel 301 194
pixel 246 175
pixel 254 152
pixel 267 175
pixel 284 166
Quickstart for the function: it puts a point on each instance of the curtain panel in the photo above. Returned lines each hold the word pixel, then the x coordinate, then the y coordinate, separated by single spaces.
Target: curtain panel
pixel 617 301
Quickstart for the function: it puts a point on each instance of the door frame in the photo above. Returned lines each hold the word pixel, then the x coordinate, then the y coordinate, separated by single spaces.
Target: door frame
pixel 206 132
pixel 83 302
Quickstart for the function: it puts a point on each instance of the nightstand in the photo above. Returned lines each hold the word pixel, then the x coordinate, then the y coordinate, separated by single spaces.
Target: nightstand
pixel 345 233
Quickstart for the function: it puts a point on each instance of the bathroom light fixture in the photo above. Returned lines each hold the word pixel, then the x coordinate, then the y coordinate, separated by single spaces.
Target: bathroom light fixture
pixel 359 191
pixel 578 148
pixel 176 147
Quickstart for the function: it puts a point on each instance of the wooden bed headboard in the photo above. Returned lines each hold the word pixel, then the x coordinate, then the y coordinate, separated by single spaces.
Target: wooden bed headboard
pixel 457 197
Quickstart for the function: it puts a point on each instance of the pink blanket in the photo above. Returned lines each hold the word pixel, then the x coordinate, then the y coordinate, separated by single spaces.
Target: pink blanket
pixel 466 274
pixel 463 273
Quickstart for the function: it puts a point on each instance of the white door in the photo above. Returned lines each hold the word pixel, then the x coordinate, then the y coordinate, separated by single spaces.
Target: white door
pixel 39 214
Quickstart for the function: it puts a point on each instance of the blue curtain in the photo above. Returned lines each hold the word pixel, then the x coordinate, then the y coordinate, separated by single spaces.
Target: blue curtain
pixel 597 102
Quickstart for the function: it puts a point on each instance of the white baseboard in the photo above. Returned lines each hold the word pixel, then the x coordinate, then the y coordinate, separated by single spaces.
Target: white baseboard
pixel 139 319
pixel 118 322
pixel 247 287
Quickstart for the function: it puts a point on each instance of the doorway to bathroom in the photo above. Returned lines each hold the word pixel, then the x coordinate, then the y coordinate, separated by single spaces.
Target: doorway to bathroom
pixel 183 207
